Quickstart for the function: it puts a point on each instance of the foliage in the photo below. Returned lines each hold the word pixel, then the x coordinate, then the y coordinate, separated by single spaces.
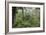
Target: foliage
pixel 26 17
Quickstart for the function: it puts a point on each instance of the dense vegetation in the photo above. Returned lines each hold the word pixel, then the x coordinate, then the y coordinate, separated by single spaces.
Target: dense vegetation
pixel 25 17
